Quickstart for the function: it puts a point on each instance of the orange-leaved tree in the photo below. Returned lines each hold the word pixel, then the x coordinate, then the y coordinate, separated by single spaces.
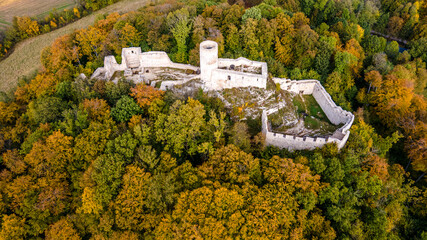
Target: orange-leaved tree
pixel 145 95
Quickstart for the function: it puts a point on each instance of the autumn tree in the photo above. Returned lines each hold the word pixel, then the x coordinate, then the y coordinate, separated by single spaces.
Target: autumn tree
pixel 27 27
pixel 229 164
pixel 392 101
pixel 13 227
pixel 14 161
pixel 63 229
pixel 204 212
pixel 130 205
pixel 52 156
pixel 284 39
pixel 145 94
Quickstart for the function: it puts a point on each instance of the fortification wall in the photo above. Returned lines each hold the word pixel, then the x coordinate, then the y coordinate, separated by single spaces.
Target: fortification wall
pixel 305 87
pixel 241 61
pixel 222 79
pixel 111 66
pixel 130 57
pixel 335 114
pixel 297 143
pixel 155 59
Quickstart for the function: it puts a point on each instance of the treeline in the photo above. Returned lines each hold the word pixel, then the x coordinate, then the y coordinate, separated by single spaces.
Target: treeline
pixel 24 27
pixel 84 158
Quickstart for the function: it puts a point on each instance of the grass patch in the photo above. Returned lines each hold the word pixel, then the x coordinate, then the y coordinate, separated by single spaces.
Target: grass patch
pixel 299 104
pixel 57 9
pixel 311 123
pixel 158 84
pixel 5 22
pixel 314 108
pixel 315 121
pixel 32 8
pixel 307 104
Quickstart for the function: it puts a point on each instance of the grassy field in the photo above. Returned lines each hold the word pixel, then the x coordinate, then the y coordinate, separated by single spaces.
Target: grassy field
pixel 26 57
pixel 11 8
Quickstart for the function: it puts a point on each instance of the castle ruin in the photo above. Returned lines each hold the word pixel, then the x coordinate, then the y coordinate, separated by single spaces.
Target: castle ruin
pixel 215 74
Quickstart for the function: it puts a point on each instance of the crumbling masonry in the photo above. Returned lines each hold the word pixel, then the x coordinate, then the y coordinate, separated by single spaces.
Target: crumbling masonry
pixel 219 73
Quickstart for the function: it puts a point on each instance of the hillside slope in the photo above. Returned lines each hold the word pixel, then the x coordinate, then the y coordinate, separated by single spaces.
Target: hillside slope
pixel 26 56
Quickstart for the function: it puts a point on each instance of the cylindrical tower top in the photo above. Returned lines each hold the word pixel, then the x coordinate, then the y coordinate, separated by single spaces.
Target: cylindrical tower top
pixel 209 46
pixel 208 59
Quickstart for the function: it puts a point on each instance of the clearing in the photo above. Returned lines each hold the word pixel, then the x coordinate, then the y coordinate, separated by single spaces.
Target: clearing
pixel 26 56
pixel 32 8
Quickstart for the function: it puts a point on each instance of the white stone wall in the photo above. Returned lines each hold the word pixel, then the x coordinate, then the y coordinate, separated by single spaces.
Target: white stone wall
pixel 297 143
pixel 145 60
pixel 155 59
pixel 111 66
pixel 222 79
pixel 130 57
pixel 335 114
pixel 306 86
pixel 241 61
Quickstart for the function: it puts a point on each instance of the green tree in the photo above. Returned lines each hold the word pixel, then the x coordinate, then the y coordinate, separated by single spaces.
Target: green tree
pixel 250 40
pixel 240 136
pixel 253 12
pixel 46 109
pixel 392 50
pixel 179 23
pixel 125 108
pixel 180 131
pixel 418 48
pixel 324 55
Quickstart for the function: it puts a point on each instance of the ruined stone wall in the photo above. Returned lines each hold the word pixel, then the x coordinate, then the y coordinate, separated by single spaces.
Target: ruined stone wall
pixel 155 59
pixel 214 78
pixel 335 114
pixel 111 66
pixel 241 61
pixel 294 142
pixel 222 79
pixel 305 87
pixel 133 58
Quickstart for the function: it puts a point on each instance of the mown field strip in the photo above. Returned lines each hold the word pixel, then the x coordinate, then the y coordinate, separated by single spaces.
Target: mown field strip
pixel 26 57
pixel 57 9
pixel 9 9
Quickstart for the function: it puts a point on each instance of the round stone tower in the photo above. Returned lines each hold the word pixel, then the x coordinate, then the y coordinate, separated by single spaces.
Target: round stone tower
pixel 208 59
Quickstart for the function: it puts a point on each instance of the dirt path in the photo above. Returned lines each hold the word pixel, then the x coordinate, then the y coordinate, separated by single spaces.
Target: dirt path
pixel 26 57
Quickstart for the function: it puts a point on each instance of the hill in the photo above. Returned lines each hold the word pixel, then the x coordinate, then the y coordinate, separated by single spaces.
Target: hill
pixel 26 57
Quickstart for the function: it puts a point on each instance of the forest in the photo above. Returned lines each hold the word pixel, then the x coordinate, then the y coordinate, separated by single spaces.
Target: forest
pixel 91 159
